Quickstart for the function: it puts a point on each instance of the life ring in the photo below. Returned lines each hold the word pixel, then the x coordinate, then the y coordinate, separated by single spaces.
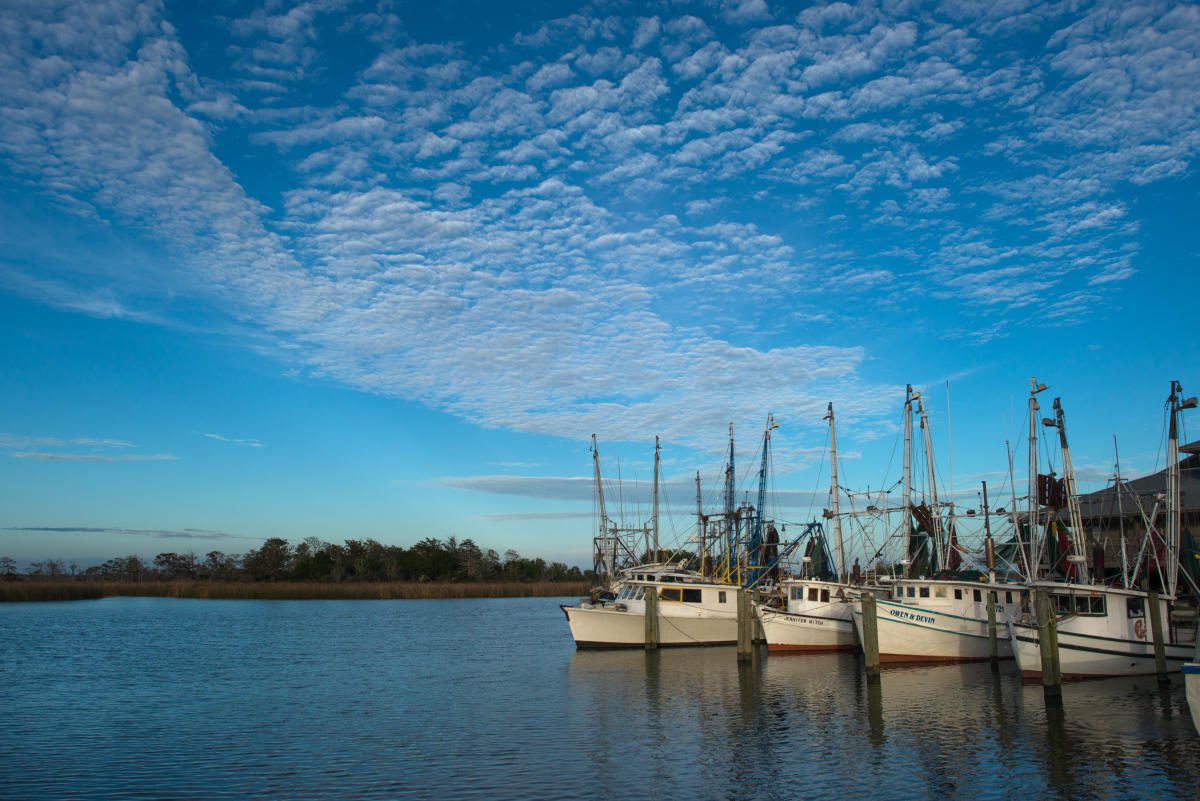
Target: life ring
pixel 1139 628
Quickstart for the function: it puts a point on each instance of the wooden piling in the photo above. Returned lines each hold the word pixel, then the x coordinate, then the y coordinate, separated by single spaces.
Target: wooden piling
pixel 1048 643
pixel 870 630
pixel 651 618
pixel 1156 631
pixel 745 627
pixel 994 653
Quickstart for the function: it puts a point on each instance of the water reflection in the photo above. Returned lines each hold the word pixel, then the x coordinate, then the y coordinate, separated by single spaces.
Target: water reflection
pixel 781 723
pixel 486 699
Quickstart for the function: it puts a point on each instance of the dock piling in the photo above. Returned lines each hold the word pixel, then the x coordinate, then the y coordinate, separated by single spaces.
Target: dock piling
pixel 1048 643
pixel 651 618
pixel 745 627
pixel 994 654
pixel 1156 630
pixel 870 630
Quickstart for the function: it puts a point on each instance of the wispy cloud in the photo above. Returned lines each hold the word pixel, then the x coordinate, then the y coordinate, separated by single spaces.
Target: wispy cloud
pixel 45 456
pixel 492 232
pixel 21 441
pixel 249 443
pixel 185 533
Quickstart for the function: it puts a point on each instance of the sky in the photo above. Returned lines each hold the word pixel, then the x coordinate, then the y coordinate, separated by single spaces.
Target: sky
pixel 349 269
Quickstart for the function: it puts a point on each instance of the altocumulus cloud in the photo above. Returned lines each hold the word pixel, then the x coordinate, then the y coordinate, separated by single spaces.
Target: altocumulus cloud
pixel 470 227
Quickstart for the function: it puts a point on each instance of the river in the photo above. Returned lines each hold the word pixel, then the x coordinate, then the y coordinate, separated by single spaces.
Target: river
pixel 155 698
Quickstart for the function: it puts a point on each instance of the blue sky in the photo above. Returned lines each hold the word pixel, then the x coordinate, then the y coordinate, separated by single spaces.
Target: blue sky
pixel 349 269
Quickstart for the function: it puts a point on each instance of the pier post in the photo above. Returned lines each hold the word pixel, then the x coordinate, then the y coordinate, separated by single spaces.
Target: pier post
pixel 994 654
pixel 1156 630
pixel 745 627
pixel 1048 643
pixel 870 630
pixel 651 618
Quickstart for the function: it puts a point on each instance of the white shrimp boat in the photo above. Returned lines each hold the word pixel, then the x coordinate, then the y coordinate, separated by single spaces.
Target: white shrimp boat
pixel 940 620
pixel 819 616
pixel 1106 631
pixel 818 613
pixel 692 610
pixel 1191 678
pixel 1102 631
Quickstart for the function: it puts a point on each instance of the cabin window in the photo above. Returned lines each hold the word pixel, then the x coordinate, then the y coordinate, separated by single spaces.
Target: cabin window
pixel 671 594
pixel 939 592
pixel 924 593
pixel 797 593
pixel 912 591
pixel 1134 607
pixel 721 596
pixel 957 594
pixel 977 595
pixel 1063 604
pixel 825 595
pixel 691 596
pixel 813 594
pixel 639 593
pixel 1008 596
pixel 1079 605
pixel 898 592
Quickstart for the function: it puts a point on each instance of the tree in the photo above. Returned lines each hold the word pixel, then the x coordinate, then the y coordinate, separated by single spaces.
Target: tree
pixel 270 562
pixel 8 567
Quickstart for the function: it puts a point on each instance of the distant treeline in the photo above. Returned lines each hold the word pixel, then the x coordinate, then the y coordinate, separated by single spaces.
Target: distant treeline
pixel 430 560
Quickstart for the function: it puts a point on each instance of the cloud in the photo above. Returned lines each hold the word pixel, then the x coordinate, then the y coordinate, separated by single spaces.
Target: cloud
pixel 249 443
pixel 44 456
pixel 186 533
pixel 19 441
pixel 495 231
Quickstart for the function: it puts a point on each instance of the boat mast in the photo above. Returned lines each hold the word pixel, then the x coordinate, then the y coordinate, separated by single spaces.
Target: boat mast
pixel 730 500
pixel 1078 540
pixel 907 497
pixel 839 550
pixel 935 515
pixel 606 556
pixel 1121 516
pixel 1177 404
pixel 654 502
pixel 989 544
pixel 700 524
pixel 1035 549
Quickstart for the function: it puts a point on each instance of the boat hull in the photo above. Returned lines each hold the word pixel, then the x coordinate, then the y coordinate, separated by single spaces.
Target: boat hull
pixel 1087 656
pixel 911 635
pixel 789 632
pixel 605 627
pixel 1191 678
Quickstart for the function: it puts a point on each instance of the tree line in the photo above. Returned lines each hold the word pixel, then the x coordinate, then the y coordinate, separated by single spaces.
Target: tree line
pixel 315 560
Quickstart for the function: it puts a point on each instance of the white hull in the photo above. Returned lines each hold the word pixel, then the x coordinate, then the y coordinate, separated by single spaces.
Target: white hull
pixel 1191 678
pixel 1087 656
pixel 606 627
pixel 910 634
pixel 789 631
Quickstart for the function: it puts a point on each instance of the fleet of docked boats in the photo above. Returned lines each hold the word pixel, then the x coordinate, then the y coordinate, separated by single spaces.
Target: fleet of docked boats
pixel 927 606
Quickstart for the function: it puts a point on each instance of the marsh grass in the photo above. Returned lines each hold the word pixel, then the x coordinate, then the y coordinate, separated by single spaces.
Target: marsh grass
pixel 284 590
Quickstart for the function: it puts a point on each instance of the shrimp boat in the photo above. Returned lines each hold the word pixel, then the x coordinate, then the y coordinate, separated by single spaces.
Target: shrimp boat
pixel 1191 678
pixel 930 619
pixel 692 607
pixel 818 615
pixel 1107 631
pixel 692 610
pixel 941 620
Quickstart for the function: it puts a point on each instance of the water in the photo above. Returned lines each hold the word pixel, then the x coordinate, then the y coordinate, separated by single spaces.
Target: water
pixel 486 699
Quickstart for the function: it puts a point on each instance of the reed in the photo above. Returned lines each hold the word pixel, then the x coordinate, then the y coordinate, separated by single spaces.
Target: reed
pixel 285 590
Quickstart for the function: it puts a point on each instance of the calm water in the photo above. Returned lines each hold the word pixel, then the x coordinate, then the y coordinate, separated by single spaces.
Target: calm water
pixel 190 699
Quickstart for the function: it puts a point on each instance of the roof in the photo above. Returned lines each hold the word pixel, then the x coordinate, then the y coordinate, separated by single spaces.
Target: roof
pixel 1104 503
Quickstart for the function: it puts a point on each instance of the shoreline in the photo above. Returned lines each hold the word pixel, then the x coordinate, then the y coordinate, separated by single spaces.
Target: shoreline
pixel 73 590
